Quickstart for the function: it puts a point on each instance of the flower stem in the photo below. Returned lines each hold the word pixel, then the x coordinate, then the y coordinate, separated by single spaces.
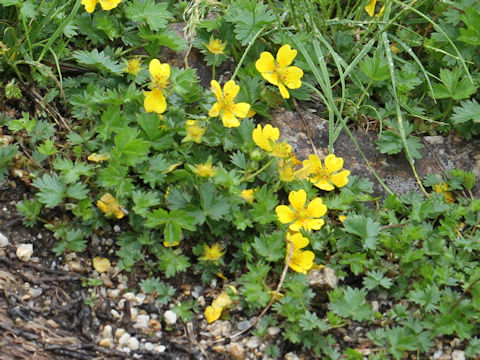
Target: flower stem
pixel 251 176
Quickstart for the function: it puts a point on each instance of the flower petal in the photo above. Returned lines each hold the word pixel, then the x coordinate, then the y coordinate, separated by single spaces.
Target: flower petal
pixel 283 91
pixel 154 101
pixel 292 77
pixel 324 185
pixel 297 199
pixel 89 5
pixel 260 139
pixel 313 224
pixel 216 89
pixel 271 132
pixel 229 120
pixel 298 241
pixel 109 4
pixel 215 110
pixel 266 63
pixel 370 7
pixel 241 109
pixel 333 163
pixel 302 261
pixel 285 214
pixel 340 179
pixel 212 313
pixel 230 90
pixel 155 67
pixel 272 77
pixel 285 55
pixel 316 208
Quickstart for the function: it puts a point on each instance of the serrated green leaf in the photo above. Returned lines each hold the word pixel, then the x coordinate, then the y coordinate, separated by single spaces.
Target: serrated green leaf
pixel 271 246
pixel 469 110
pixel 352 305
pixel 77 191
pixel 71 172
pixel 155 15
pixel 389 143
pixel 98 60
pixel 375 67
pixel 51 189
pixel 366 228
pixel 128 148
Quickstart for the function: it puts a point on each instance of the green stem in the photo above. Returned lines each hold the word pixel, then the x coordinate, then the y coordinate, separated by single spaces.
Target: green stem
pixel 246 52
pixel 363 94
pixel 251 176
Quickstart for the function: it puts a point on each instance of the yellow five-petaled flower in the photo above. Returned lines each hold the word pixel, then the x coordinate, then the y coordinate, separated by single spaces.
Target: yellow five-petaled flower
pixel 300 216
pixel 194 131
pixel 225 107
pixel 325 177
pixel 155 100
pixel 216 46
pixel 301 261
pixel 278 72
pixel 105 4
pixel 109 205
pixel 266 139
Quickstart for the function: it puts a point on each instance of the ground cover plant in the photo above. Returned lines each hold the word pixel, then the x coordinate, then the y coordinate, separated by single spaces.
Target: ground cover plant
pixel 200 182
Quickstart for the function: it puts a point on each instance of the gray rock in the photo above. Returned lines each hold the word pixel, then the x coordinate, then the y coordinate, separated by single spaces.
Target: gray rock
pixel 458 355
pixel 253 342
pixel 133 344
pixel 124 339
pixel 244 324
pixel 220 328
pixel 141 322
pixel 3 240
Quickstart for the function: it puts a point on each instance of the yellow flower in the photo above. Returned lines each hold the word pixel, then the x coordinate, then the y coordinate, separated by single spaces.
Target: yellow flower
pixel 194 131
pixel 325 177
pixel 98 157
pixel 278 72
pixel 211 313
pixel 216 46
pixel 167 244
pixel 370 7
pixel 301 261
pixel 225 106
pixel 301 216
pixel 155 100
pixel 281 150
pixel 133 66
pixel 110 206
pixel 263 138
pixel 205 169
pixel 342 218
pixel 212 253
pixel 443 188
pixel 105 4
pixel 3 47
pixel 214 311
pixel 287 172
pixel 247 195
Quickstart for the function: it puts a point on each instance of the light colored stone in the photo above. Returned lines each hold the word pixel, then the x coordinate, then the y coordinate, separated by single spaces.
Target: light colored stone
pixel 324 277
pixel 140 298
pixel 133 344
pixel 130 296
pixel 244 324
pixel 237 351
pixel 3 240
pixel 375 305
pixel 133 313
pixel 437 354
pixel 273 330
pixel 34 292
pixel 160 349
pixel 291 356
pixel 113 293
pixel 219 349
pixel 458 355
pixel 220 328
pixel 253 342
pixel 119 332
pixel 75 266
pixel 170 317
pixel 105 342
pixel 115 314
pixel 141 322
pixel 24 252
pixel 107 332
pixel 124 339
pixel 116 228
pixel 148 346
pixel 435 140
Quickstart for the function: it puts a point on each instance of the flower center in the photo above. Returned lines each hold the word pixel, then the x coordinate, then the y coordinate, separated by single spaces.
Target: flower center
pixel 282 72
pixel 322 173
pixel 160 82
pixel 302 214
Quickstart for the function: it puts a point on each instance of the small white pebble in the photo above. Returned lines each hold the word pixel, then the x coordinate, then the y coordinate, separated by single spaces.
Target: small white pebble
pixel 113 293
pixel 36 292
pixel 119 332
pixel 160 348
pixel 140 298
pixel 148 346
pixel 141 322
pixel 39 236
pixel 170 317
pixel 116 228
pixel 3 240
pixel 24 252
pixel 107 332
pixel 124 339
pixel 458 355
pixel 133 313
pixel 130 296
pixel 133 344
pixel 115 314
pixel 5 208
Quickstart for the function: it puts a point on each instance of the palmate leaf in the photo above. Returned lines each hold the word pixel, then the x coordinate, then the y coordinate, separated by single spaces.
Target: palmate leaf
pixel 352 305
pixel 99 60
pixel 365 228
pixel 469 110
pixel 51 189
pixel 153 14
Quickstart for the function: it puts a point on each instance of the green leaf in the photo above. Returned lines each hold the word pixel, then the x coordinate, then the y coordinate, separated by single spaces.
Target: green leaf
pixel 471 18
pixel 30 209
pixel 469 110
pixel 155 15
pixel 159 288
pixel 389 142
pixel 99 60
pixel 112 121
pixel 375 279
pixel 71 172
pixel 128 148
pixel 352 305
pixel 77 191
pixel 51 189
pixel 452 87
pixel 270 246
pixel 399 341
pixel 366 228
pixel 144 200
pixel 115 176
pixel 310 321
pixel 263 208
pixel 213 204
pixel 375 67
pixel 427 297
pixel 171 261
